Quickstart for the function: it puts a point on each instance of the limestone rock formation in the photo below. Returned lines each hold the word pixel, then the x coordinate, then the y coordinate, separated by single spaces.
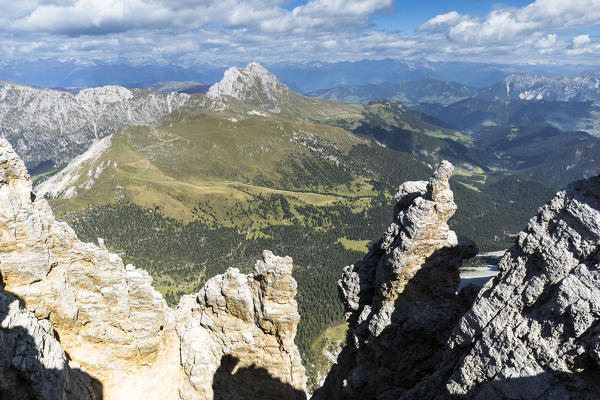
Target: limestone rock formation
pixel 532 332
pixel 251 318
pixel 108 317
pixel 253 85
pixel 50 127
pixel 400 299
pixel 33 363
pixel 83 306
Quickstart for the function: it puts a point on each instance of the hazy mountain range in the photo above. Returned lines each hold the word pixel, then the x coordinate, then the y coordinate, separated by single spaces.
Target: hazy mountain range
pixel 301 77
pixel 581 88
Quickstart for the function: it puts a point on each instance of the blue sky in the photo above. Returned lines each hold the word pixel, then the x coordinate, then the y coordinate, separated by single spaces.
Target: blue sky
pixel 189 32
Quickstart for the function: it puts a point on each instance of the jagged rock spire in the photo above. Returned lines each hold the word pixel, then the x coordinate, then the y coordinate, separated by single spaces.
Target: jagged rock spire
pixel 400 300
pixel 250 321
pixel 532 332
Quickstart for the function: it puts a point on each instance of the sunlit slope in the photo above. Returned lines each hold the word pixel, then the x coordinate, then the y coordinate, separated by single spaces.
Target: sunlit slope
pixel 206 166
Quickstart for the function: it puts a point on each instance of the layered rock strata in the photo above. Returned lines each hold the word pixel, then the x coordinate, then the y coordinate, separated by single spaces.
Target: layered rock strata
pixel 107 318
pixel 532 332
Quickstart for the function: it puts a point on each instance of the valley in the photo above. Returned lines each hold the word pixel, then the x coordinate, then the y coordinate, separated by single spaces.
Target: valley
pixel 253 165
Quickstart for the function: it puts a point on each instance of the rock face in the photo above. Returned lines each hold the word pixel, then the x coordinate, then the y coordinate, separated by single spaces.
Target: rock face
pixel 82 304
pixel 400 300
pixel 252 85
pixel 108 317
pixel 249 318
pixel 49 127
pixel 33 363
pixel 532 332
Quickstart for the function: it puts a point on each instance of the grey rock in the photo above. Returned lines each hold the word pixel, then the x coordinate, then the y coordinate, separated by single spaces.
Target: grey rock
pixel 531 332
pixel 249 321
pixel 33 363
pixel 235 335
pixel 400 300
pixel 53 126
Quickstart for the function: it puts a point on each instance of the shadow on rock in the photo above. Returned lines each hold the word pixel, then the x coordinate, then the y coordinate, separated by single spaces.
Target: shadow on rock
pixel 33 364
pixel 547 385
pixel 393 359
pixel 231 383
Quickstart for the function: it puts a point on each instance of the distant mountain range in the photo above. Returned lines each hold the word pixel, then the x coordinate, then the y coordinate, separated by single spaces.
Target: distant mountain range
pixel 582 88
pixel 474 114
pixel 49 127
pixel 567 103
pixel 300 77
pixel 428 90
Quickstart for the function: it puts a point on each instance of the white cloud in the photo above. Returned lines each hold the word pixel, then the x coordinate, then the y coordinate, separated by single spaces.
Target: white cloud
pixel 581 41
pixel 546 42
pixel 78 17
pixel 230 31
pixel 582 44
pixel 442 21
pixel 511 24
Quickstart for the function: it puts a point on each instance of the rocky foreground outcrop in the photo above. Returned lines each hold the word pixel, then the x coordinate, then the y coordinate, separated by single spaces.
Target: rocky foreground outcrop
pixel 245 325
pixel 532 332
pixel 82 316
pixel 400 300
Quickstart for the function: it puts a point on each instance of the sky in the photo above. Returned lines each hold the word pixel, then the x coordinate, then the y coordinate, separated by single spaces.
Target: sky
pixel 221 32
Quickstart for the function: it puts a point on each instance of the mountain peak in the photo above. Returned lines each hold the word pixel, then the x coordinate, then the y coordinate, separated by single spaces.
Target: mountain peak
pixel 254 85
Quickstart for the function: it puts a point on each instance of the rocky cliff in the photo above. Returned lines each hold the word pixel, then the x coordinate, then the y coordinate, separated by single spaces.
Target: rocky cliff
pixel 400 300
pixel 239 327
pixel 84 310
pixel 49 127
pixel 532 332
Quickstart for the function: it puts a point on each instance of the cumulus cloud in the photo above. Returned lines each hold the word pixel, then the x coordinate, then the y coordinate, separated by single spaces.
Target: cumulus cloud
pixel 581 41
pixel 511 24
pixel 80 17
pixel 582 44
pixel 229 31
pixel 442 22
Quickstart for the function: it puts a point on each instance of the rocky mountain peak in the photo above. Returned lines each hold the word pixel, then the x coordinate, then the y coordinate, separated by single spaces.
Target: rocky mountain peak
pixel 581 88
pixel 50 127
pixel 252 85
